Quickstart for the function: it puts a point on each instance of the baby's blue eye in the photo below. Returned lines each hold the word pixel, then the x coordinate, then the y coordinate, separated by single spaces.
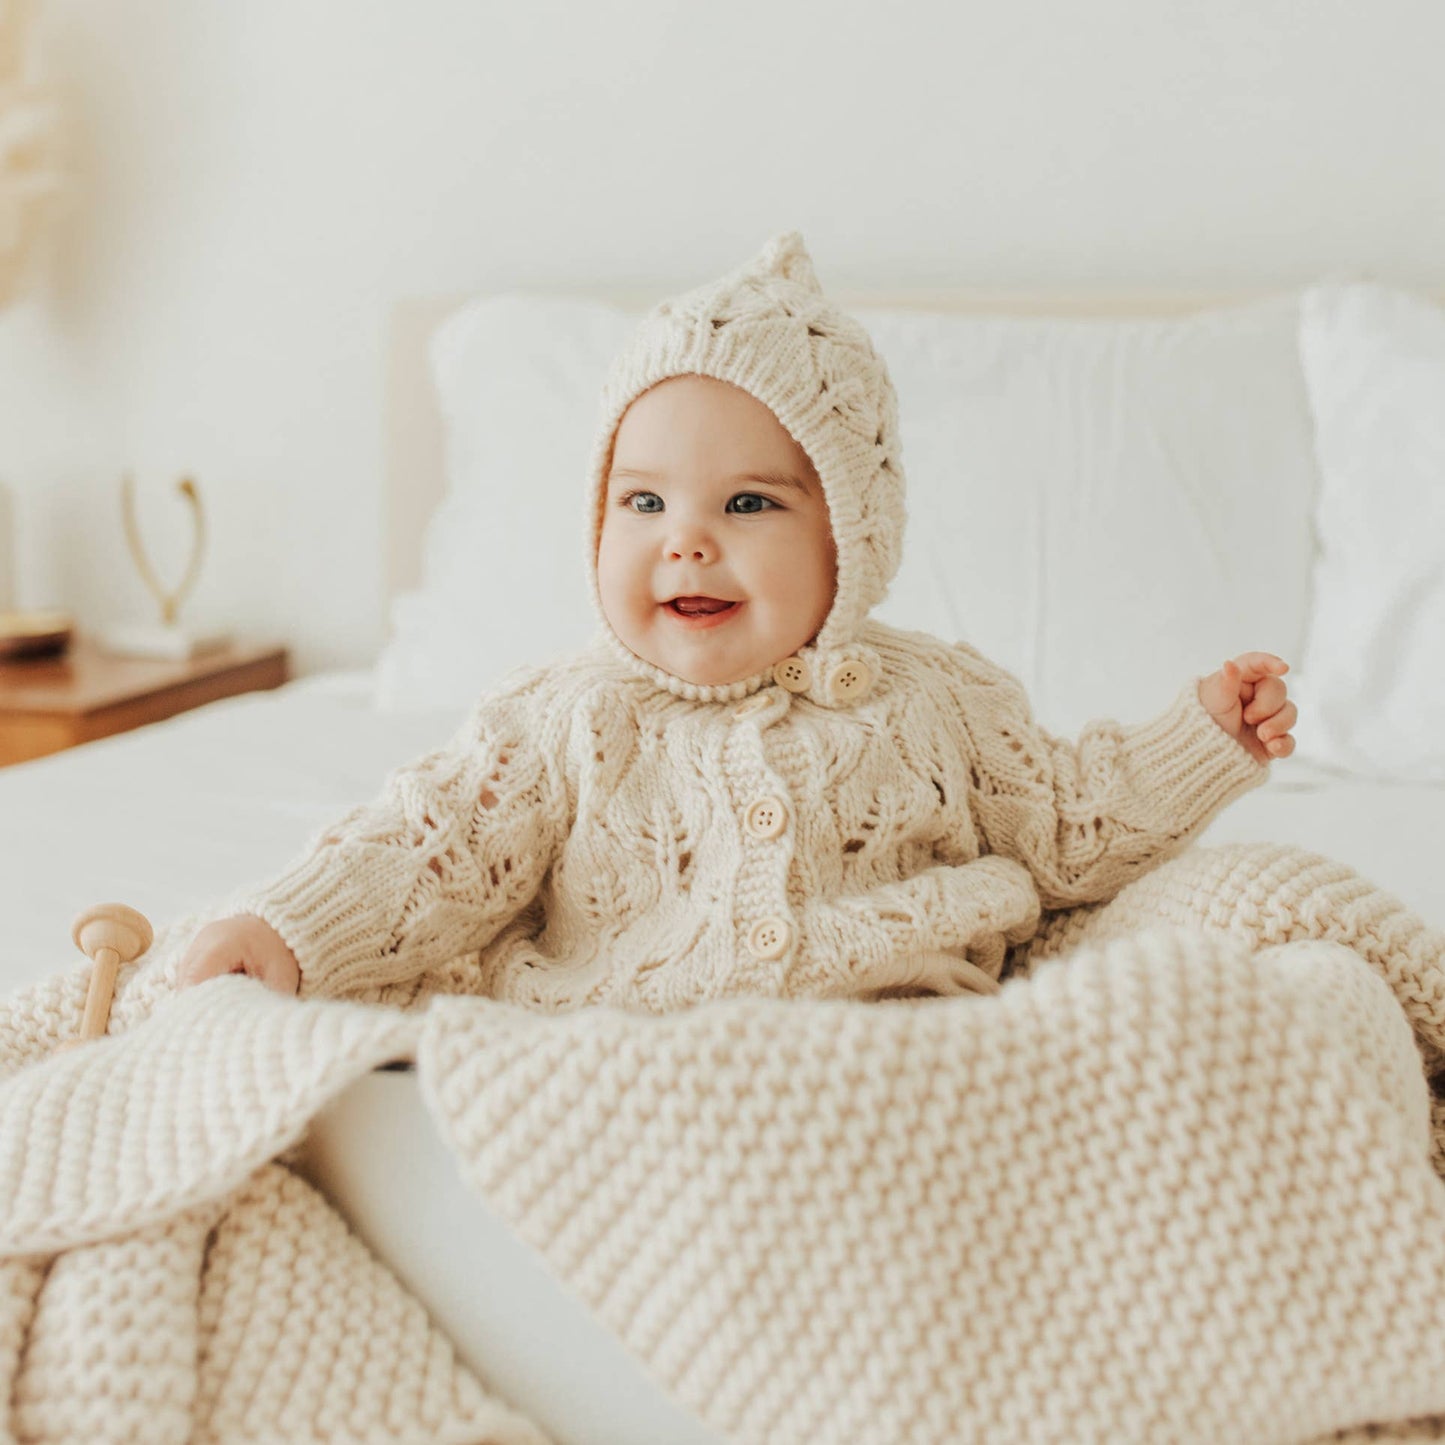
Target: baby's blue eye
pixel 628 498
pixel 757 497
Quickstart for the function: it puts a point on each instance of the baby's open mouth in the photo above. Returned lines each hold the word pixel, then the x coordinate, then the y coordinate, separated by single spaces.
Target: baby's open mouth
pixel 699 606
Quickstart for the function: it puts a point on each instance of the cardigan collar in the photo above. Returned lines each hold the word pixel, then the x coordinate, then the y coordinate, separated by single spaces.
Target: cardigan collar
pixel 840 676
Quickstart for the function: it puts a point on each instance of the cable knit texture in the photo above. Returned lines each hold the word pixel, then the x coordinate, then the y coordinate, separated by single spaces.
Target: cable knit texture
pixel 590 838
pixel 1178 1181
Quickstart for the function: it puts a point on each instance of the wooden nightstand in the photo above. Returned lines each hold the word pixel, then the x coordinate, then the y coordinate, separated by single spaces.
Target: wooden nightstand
pixel 50 703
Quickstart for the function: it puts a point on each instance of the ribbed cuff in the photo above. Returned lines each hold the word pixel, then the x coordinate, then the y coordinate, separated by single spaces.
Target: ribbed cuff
pixel 333 931
pixel 1195 767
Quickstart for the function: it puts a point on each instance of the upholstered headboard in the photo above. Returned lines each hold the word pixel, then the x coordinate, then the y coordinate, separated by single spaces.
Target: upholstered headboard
pixel 415 460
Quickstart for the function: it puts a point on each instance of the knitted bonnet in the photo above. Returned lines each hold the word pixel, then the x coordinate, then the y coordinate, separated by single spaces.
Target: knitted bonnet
pixel 767 328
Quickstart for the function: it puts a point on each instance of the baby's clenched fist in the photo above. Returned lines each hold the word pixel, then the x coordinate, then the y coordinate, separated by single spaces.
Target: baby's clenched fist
pixel 241 944
pixel 1246 697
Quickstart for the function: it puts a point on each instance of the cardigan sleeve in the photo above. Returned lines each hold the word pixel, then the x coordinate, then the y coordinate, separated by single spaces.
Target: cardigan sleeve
pixel 450 850
pixel 1088 816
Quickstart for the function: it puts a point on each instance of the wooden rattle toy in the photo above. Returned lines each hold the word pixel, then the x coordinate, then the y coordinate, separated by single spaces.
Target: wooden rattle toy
pixel 111 934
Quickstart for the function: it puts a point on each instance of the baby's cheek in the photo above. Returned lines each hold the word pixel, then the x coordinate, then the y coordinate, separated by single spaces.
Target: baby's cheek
pixel 611 574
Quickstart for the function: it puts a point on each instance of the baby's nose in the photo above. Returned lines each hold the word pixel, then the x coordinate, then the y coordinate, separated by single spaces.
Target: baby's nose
pixel 691 542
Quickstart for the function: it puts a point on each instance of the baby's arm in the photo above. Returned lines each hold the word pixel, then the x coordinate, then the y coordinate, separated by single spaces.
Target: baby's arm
pixel 449 852
pixel 1087 817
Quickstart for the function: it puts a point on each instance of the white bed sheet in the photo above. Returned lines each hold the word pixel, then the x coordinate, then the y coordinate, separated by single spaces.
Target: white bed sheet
pixel 178 816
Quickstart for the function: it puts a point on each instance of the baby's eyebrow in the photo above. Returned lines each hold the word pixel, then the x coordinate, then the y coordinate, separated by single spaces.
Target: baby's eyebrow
pixel 772 479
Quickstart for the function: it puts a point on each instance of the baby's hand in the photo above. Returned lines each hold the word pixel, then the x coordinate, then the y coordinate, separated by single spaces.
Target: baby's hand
pixel 1246 698
pixel 241 944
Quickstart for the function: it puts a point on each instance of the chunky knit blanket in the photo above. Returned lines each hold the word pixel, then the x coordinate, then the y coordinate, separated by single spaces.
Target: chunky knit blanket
pixel 1178 1181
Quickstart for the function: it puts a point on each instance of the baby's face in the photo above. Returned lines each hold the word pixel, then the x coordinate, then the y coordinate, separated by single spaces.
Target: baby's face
pixel 698 506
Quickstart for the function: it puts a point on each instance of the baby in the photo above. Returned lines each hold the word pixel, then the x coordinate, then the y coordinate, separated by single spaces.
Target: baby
pixel 746 785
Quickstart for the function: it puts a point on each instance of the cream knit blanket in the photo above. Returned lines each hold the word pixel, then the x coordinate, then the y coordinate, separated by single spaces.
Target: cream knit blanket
pixel 1180 1181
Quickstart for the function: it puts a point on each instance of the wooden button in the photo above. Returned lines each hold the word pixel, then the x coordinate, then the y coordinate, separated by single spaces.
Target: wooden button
pixel 793 673
pixel 849 681
pixel 770 937
pixel 767 817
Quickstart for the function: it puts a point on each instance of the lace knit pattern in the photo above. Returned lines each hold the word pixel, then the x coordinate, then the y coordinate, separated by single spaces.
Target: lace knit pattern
pixel 1174 1183
pixel 587 838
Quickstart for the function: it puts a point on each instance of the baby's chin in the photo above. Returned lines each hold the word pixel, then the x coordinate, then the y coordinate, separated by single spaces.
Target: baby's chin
pixel 721 668
pixel 691 670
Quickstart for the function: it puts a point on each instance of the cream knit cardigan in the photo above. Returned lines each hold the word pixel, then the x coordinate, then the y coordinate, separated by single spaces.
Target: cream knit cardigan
pixel 1174 1183
pixel 592 838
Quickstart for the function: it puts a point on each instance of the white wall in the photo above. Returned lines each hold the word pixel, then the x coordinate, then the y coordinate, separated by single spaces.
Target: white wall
pixel 259 181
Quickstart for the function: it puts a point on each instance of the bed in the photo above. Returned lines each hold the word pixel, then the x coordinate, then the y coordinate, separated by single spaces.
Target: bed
pixel 150 818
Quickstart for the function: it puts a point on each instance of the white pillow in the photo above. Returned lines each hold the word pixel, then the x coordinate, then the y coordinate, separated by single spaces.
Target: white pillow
pixel 1106 508
pixel 518 379
pixel 1372 696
